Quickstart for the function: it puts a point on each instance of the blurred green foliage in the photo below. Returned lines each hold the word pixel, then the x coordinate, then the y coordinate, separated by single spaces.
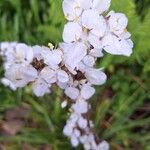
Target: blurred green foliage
pixel 121 108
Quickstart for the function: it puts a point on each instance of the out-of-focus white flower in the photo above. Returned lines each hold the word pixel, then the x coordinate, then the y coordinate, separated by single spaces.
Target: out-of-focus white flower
pixel 74 141
pixel 95 76
pixel 87 91
pixel 68 130
pixel 117 22
pixel 72 92
pixel 101 5
pixel 8 83
pixel 117 46
pixel 82 123
pixel 103 146
pixel 72 32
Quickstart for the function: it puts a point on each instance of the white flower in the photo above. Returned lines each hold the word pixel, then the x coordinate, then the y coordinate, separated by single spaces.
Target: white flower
pixel 40 87
pixel 101 5
pixel 62 76
pixel 117 46
pixel 117 22
pixel 72 92
pixel 72 32
pixel 87 91
pixel 95 76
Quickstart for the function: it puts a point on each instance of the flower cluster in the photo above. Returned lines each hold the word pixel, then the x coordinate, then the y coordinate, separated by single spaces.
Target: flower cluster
pixel 87 35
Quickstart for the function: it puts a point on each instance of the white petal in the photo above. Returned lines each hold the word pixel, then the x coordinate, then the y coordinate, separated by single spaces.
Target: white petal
pixel 95 76
pixel 94 41
pixel 40 87
pixel 72 32
pixel 100 27
pixel 74 141
pixel 89 61
pixel 62 76
pixel 80 107
pixel 101 5
pixel 67 130
pixel 72 92
pixel 90 19
pixel 53 58
pixel 103 146
pixel 74 55
pixel 116 46
pixel 87 91
pixel 117 22
pixel 96 53
pixel 30 73
pixel 48 75
pixel 82 123
pixel 72 9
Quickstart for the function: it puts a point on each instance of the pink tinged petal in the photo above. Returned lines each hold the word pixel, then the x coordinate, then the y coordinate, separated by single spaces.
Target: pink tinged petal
pixel 96 53
pixel 95 76
pixel 101 5
pixel 116 46
pixel 72 92
pixel 72 32
pixel 89 61
pixel 48 75
pixel 80 107
pixel 87 91
pixel 40 87
pixel 62 76
pixel 72 9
